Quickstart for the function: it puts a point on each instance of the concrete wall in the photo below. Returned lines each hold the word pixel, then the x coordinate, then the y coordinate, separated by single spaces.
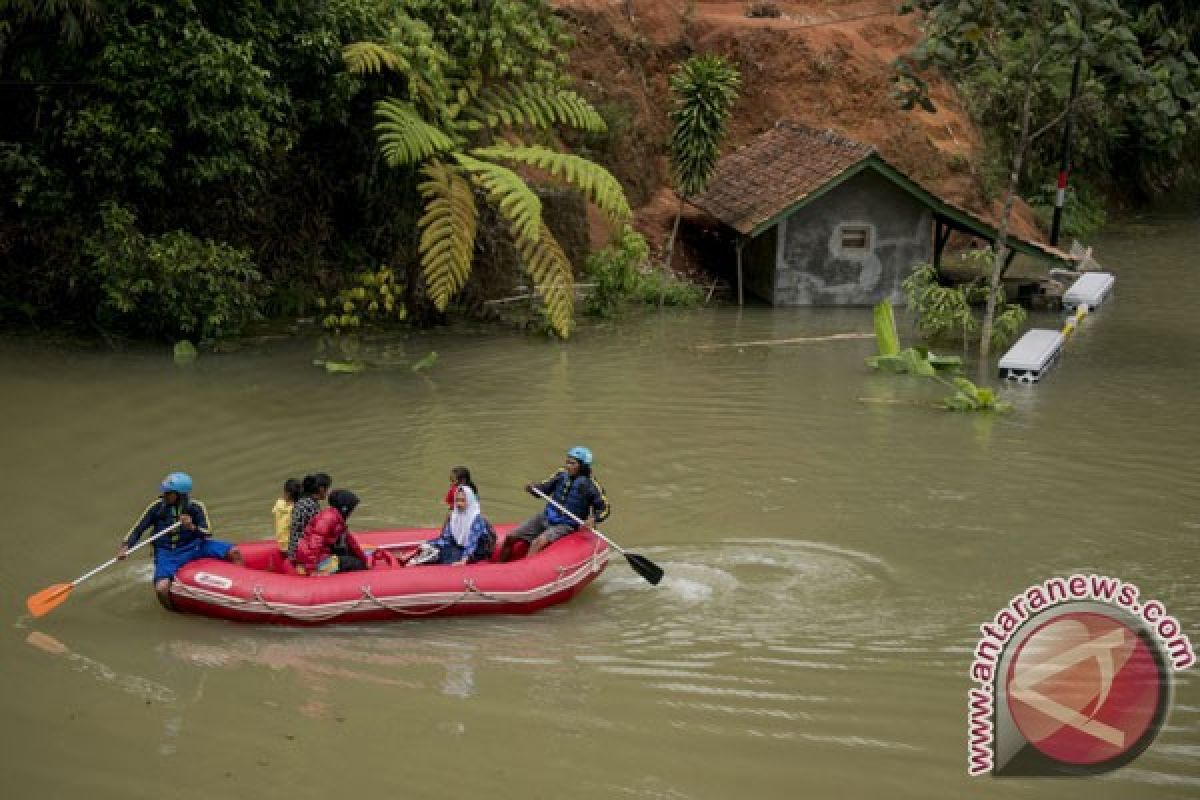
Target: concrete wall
pixel 812 269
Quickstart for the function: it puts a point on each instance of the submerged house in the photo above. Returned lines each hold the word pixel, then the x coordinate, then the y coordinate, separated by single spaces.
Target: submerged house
pixel 823 220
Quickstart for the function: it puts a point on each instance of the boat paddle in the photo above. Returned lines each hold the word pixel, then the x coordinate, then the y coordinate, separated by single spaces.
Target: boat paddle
pixel 52 597
pixel 641 565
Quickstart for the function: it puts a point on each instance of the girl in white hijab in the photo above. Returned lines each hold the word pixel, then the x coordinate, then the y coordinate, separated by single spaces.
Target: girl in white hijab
pixel 466 535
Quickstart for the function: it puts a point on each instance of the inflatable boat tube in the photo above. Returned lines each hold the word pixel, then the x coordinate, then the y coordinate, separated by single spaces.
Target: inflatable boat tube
pixel 265 590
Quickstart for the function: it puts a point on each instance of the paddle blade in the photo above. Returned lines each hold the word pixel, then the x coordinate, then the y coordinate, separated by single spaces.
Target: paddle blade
pixel 645 567
pixel 48 599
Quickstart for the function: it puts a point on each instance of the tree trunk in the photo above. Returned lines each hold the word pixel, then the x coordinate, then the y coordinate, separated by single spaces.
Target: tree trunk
pixel 1000 246
pixel 670 251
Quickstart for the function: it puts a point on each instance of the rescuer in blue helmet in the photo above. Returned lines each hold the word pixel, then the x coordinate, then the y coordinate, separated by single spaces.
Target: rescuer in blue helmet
pixel 188 542
pixel 572 487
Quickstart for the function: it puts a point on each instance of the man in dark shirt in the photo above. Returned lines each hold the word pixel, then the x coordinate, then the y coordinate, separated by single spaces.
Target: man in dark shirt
pixel 188 542
pixel 572 487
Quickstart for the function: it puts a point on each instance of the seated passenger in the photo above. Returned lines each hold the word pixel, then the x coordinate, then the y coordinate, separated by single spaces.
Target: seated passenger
pixel 282 512
pixel 325 536
pixel 313 490
pixel 466 537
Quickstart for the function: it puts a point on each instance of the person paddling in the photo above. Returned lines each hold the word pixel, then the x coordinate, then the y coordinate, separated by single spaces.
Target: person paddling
pixel 572 487
pixel 188 542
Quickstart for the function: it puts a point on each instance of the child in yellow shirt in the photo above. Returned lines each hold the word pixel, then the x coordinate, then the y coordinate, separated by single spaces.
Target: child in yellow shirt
pixel 283 513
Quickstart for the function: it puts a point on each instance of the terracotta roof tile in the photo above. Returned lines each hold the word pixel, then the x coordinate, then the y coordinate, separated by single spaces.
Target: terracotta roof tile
pixel 783 166
pixel 775 170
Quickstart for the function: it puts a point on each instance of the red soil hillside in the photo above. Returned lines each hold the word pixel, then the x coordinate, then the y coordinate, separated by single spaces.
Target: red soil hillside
pixel 826 63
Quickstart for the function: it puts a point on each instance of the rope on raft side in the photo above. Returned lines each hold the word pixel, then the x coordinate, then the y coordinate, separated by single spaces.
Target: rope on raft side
pixel 258 595
pixel 469 588
pixel 366 590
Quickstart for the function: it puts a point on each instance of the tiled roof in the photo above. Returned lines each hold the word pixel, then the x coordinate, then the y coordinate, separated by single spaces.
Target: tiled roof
pixel 791 162
pixel 776 170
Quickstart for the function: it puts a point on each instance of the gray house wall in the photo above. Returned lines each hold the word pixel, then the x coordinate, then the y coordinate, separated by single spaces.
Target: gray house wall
pixel 810 267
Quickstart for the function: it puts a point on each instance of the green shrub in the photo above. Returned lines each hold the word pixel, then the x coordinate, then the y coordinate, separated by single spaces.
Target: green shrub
pixel 170 286
pixel 621 273
pixel 670 288
pixel 944 312
pixel 616 271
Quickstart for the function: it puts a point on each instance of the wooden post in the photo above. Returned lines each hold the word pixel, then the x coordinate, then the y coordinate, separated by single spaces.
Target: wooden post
pixel 941 235
pixel 1064 171
pixel 740 243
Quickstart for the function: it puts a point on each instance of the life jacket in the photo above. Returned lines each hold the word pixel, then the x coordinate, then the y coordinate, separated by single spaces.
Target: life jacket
pixel 166 515
pixel 572 493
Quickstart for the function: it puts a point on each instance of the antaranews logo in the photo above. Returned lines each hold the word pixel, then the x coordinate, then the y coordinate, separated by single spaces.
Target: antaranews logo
pixel 1073 678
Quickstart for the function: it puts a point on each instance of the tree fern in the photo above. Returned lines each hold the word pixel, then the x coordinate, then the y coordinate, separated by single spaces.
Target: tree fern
pixel 552 277
pixel 404 137
pixel 511 196
pixel 596 183
pixel 370 58
pixel 536 106
pixel 447 231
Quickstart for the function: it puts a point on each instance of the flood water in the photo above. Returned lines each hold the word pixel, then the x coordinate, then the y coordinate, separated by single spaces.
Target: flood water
pixel 828 558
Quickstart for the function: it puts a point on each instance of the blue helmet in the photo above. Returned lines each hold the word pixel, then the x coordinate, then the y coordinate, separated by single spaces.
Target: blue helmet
pixel 581 454
pixel 178 482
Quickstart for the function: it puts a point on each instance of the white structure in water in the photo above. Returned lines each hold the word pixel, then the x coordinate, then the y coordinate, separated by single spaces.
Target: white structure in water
pixel 1038 349
pixel 1032 355
pixel 1090 290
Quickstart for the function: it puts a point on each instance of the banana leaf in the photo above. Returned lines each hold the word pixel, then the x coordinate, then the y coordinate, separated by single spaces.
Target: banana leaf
pixel 184 352
pixel 426 362
pixel 886 338
pixel 945 362
pixel 344 366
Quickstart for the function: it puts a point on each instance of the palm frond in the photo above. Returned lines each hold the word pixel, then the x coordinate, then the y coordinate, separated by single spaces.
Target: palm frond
pixel 596 183
pixel 447 231
pixel 405 138
pixel 511 196
pixel 535 106
pixel 371 58
pixel 552 278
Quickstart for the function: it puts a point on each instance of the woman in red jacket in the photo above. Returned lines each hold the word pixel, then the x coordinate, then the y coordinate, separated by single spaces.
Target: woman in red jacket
pixel 325 535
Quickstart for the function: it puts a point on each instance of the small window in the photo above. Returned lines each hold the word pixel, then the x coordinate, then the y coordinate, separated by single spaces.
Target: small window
pixel 856 238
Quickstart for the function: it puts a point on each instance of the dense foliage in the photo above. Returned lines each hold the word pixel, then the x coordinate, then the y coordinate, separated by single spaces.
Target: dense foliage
pixel 232 136
pixel 1139 100
pixel 1139 71
pixel 230 124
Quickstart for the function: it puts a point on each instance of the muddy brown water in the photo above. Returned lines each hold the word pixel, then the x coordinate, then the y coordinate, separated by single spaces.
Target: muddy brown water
pixel 828 559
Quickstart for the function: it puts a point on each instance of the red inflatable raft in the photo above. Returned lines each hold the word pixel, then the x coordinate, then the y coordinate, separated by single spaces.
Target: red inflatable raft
pixel 262 591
